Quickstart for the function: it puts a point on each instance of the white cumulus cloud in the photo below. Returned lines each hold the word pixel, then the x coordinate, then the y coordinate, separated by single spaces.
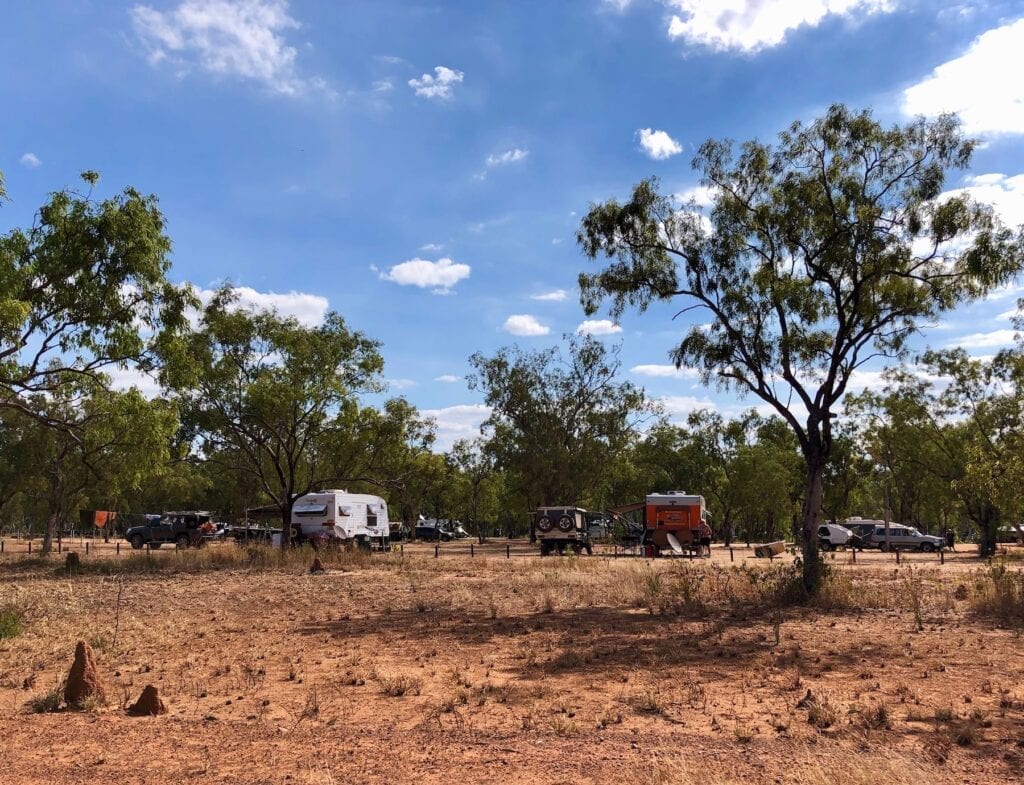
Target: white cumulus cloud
pixel 557 296
pixel 401 384
pixel 507 157
pixel 598 327
pixel 30 160
pixel 665 371
pixel 978 85
pixel 448 378
pixel 983 340
pixel 524 324
pixel 751 25
pixel 227 38
pixel 1004 192
pixel 658 144
pixel 308 309
pixel 678 407
pixel 439 276
pixel 438 86
pixel 461 421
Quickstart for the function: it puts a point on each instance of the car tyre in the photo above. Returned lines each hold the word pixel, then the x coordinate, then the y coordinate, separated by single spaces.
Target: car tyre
pixel 181 541
pixel 137 542
pixel 927 547
pixel 825 545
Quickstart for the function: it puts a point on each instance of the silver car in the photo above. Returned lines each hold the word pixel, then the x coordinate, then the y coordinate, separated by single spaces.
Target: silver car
pixel 905 537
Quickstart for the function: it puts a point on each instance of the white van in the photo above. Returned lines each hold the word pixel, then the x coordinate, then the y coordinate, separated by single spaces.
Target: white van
pixel 361 518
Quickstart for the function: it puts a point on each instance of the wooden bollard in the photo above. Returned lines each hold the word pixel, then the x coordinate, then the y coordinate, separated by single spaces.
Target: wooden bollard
pixel 897 556
pixel 86 547
pixel 508 551
pixel 117 548
pixel 854 555
pixel 437 551
pixel 1 546
pixel 942 556
pixel 731 558
pixel 401 548
pixel 30 546
pixel 59 546
pixel 471 554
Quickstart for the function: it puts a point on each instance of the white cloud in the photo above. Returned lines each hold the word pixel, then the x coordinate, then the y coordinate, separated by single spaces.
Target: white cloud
pixel 680 406
pixel 383 86
pixel 308 309
pixel 440 276
pixel 30 160
pixel 665 371
pixel 431 247
pixel 524 324
pixel 439 86
pixel 751 25
pixel 461 421
pixel 126 378
pixel 658 144
pixel 401 384
pixel 232 38
pixel 598 327
pixel 507 157
pixel 1003 337
pixel 701 195
pixel 448 378
pixel 557 296
pixel 978 85
pixel 1005 193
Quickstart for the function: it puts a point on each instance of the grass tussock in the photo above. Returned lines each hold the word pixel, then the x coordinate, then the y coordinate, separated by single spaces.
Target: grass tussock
pixel 999 593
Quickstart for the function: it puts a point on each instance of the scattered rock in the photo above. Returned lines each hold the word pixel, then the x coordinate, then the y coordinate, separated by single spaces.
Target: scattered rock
pixel 83 682
pixel 149 704
pixel 806 701
pixel 318 567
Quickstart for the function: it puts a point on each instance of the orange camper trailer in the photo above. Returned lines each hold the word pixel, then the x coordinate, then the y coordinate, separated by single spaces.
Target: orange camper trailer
pixel 674 516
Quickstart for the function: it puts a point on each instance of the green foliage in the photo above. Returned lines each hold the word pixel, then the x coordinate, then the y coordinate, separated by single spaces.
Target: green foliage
pixel 81 290
pixel 10 621
pixel 558 422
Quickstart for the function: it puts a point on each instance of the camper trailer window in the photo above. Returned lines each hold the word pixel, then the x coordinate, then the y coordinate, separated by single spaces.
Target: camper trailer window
pixel 371 515
pixel 311 510
pixel 344 511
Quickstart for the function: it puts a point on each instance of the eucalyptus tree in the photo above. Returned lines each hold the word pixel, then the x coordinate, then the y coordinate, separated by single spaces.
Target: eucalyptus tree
pixel 559 422
pixel 117 442
pixel 958 421
pixel 817 254
pixel 259 393
pixel 82 290
pixel 476 483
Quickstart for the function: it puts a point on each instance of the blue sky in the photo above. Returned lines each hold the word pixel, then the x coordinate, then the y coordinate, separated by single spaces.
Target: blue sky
pixel 422 167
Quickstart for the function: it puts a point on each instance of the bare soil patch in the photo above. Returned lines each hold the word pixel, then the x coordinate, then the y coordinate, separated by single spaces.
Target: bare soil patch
pixel 403 667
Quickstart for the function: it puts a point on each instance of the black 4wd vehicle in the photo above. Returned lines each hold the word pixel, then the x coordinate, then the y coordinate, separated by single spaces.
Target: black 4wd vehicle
pixel 184 529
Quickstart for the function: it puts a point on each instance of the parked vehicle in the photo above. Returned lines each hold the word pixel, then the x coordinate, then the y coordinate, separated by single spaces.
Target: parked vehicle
pixel 905 537
pixel 673 521
pixel 335 516
pixel 832 536
pixel 185 528
pixel 1011 534
pixel 431 532
pixel 560 528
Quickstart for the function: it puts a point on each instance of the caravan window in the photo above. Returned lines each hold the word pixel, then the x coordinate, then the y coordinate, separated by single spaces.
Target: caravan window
pixel 310 510
pixel 371 514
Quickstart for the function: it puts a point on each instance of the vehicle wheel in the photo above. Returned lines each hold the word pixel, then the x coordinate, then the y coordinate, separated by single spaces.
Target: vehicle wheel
pixel 137 542
pixel 927 547
pixel 825 545
pixel 296 533
pixel 883 547
pixel 181 541
pixel 590 549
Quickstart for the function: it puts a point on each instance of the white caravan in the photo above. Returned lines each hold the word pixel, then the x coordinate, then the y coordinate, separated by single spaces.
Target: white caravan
pixel 357 517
